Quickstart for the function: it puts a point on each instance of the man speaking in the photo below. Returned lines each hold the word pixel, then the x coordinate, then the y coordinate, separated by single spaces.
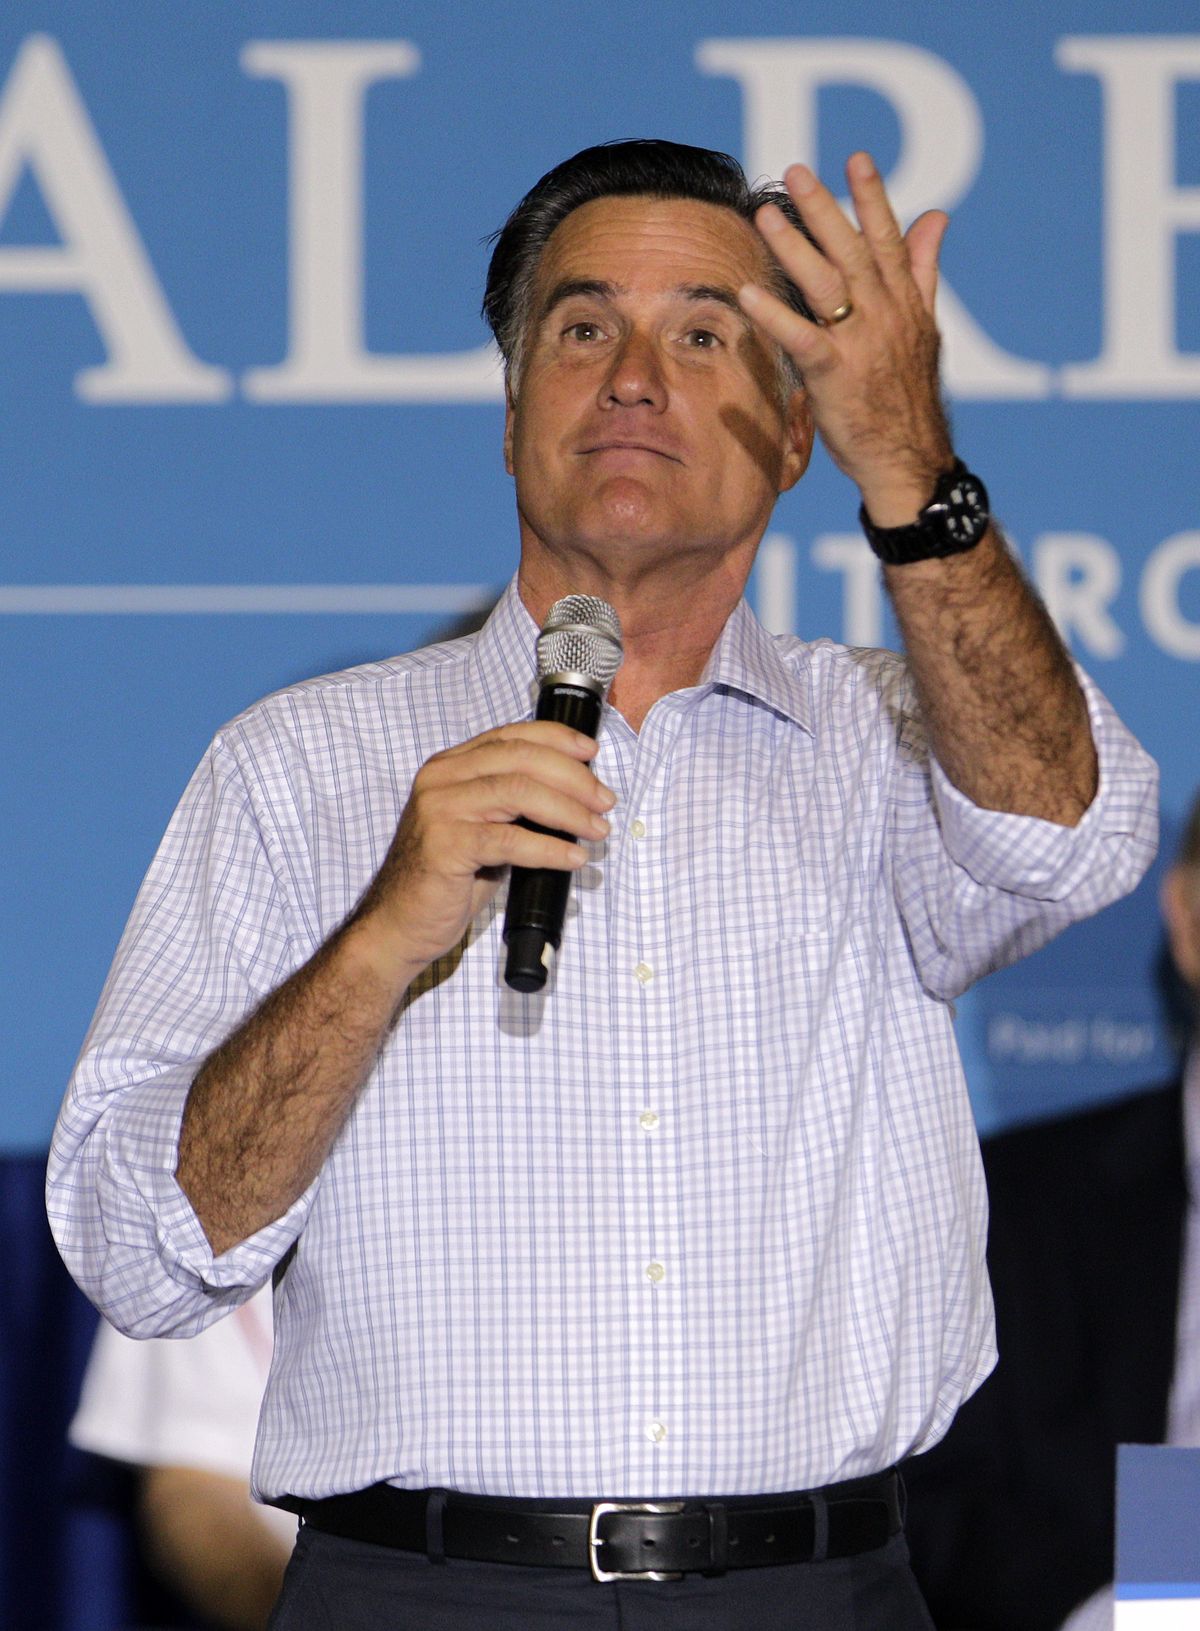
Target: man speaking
pixel 620 1301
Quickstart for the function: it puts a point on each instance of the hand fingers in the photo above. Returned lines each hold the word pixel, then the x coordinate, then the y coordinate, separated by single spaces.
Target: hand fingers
pixel 550 754
pixel 518 796
pixel 501 844
pixel 464 821
pixel 459 831
pixel 544 731
pixel 924 240
pixel 849 262
pixel 820 278
pixel 465 803
pixel 841 242
pixel 803 340
pixel 873 206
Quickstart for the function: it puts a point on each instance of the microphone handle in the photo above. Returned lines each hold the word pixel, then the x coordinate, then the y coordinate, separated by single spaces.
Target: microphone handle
pixel 537 896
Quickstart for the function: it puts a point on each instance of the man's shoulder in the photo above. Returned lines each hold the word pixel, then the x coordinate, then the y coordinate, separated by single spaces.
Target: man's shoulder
pixel 427 665
pixel 839 671
pixel 833 656
pixel 357 696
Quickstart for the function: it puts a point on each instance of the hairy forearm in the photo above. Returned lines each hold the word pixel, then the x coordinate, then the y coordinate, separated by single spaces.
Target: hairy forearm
pixel 1006 717
pixel 263 1112
pixel 266 1107
pixel 206 1540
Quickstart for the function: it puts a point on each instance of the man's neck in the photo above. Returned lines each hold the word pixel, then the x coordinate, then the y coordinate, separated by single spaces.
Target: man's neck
pixel 670 623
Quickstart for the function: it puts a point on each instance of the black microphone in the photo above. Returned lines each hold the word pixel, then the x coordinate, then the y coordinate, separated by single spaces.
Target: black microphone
pixel 578 652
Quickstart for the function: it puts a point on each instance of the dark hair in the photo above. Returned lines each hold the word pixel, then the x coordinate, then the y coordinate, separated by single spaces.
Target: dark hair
pixel 654 169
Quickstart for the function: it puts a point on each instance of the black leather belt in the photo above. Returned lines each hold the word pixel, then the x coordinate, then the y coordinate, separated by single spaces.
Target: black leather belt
pixel 619 1540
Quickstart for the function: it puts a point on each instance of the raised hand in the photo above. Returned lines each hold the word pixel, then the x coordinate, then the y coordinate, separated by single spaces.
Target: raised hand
pixel 870 362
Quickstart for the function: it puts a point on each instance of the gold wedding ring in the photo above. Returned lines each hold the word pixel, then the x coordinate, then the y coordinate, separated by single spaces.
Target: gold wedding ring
pixel 841 314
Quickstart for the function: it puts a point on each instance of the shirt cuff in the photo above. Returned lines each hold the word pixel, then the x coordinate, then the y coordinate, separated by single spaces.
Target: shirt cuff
pixel 142 1205
pixel 1041 859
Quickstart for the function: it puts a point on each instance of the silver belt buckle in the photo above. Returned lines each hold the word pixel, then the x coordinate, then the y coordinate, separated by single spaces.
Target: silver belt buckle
pixel 595 1542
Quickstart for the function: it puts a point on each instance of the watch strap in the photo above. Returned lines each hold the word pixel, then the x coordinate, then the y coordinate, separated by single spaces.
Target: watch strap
pixel 954 520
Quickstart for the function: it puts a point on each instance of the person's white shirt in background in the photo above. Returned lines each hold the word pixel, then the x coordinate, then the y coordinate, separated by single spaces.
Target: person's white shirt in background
pixel 1094 1615
pixel 192 1402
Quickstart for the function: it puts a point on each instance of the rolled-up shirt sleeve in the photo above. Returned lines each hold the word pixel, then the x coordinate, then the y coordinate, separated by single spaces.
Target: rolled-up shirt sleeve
pixel 980 888
pixel 215 928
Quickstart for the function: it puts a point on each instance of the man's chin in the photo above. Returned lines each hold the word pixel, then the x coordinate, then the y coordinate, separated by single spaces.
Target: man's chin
pixel 628 514
pixel 624 527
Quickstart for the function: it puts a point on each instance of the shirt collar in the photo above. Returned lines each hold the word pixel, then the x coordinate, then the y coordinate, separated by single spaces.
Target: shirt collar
pixel 502 672
pixel 770 668
pixel 745 659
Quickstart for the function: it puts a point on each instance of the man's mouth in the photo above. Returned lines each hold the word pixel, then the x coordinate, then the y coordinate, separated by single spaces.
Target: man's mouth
pixel 631 445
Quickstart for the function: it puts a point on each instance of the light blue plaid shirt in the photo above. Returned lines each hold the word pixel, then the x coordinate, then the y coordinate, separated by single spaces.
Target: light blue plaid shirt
pixel 708 1215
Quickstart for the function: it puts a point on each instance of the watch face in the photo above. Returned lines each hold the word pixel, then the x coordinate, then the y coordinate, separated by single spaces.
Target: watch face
pixel 966 509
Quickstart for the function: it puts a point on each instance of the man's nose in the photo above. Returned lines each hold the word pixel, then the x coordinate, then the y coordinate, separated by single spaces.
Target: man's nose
pixel 636 377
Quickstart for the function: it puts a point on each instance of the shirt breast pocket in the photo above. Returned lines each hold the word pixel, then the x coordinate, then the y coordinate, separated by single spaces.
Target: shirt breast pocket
pixel 761 1008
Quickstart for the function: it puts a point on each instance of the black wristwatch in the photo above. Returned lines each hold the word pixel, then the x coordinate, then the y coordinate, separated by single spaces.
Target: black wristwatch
pixel 954 520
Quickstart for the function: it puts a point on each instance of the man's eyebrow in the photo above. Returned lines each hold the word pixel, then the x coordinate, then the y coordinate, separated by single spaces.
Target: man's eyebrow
pixel 713 291
pixel 601 289
pixel 568 288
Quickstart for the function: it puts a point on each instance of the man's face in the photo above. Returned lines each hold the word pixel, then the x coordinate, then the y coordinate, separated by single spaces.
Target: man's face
pixel 648 415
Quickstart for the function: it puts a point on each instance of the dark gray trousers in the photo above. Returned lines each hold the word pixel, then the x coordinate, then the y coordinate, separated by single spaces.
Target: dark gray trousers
pixel 346 1585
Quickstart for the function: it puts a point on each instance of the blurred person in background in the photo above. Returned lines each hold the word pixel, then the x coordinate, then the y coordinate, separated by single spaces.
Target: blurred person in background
pixel 1094 1252
pixel 184 1415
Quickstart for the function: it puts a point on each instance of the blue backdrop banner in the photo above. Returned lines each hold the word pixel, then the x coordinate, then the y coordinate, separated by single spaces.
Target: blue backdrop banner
pixel 252 420
pixel 1158 1538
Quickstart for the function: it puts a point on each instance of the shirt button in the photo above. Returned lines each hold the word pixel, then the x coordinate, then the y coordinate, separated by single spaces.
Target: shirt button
pixel 644 973
pixel 638 829
pixel 655 1273
pixel 648 1120
pixel 656 1432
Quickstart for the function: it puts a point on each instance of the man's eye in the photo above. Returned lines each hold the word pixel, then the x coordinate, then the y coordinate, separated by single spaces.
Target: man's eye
pixel 702 339
pixel 583 331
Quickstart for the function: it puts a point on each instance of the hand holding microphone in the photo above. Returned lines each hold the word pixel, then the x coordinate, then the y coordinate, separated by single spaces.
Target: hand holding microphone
pixel 519 796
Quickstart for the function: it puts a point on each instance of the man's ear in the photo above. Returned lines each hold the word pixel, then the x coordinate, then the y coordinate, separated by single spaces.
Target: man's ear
pixel 1180 902
pixel 509 410
pixel 798 422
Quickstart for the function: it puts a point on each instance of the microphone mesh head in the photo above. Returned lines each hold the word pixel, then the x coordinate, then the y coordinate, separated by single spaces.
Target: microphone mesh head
pixel 582 635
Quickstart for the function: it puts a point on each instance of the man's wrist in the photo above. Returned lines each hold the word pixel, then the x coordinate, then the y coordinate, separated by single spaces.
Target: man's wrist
pixel 952 518
pixel 371 947
pixel 898 503
pixel 893 494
